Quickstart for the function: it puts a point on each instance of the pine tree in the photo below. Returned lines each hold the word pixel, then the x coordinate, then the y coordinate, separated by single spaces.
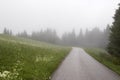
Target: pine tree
pixel 7 31
pixel 114 39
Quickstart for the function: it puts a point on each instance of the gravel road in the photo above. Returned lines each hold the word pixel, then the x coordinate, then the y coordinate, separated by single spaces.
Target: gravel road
pixel 78 65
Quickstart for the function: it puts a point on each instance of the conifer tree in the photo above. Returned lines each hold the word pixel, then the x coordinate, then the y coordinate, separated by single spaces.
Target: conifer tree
pixel 114 39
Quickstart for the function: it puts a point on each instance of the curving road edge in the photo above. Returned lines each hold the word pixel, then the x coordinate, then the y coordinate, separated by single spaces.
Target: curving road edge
pixel 78 65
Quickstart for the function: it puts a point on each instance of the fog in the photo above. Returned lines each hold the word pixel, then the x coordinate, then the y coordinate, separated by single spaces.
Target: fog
pixel 61 15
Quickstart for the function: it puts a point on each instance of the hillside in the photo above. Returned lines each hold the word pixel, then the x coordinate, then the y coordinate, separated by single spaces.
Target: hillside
pixel 28 59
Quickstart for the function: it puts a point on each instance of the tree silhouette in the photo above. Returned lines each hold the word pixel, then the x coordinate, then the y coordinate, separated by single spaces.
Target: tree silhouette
pixel 114 44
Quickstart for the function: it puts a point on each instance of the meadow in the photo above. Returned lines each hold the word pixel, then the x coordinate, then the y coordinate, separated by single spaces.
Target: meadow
pixel 105 58
pixel 25 59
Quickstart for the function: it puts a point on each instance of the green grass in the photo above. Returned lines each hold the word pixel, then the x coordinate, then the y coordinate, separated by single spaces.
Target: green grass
pixel 28 59
pixel 103 57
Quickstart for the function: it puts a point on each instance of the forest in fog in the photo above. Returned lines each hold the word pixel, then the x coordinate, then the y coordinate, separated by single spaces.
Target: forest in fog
pixel 89 38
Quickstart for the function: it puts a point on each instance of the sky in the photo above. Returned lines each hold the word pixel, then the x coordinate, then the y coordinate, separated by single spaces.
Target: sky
pixel 61 15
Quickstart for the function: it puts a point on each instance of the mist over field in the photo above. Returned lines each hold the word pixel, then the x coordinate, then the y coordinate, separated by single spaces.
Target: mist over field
pixel 59 39
pixel 61 15
pixel 64 22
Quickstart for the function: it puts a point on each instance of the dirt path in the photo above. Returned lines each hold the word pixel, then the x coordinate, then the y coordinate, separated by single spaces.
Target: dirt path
pixel 78 65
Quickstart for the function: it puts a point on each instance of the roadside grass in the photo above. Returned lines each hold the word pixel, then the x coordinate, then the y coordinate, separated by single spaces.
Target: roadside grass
pixel 103 57
pixel 24 59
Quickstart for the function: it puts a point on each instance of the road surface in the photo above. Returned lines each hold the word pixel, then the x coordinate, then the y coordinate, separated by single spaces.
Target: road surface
pixel 78 65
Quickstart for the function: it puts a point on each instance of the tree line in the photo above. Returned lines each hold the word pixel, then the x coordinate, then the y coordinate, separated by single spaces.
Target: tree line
pixel 91 38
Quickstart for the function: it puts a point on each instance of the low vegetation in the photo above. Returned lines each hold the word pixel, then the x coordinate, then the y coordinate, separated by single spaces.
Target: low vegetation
pixel 103 57
pixel 24 59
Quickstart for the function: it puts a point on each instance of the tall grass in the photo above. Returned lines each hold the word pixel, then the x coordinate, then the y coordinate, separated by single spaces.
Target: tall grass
pixel 103 57
pixel 27 59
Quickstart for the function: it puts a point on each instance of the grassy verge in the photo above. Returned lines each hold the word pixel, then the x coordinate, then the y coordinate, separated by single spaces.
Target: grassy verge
pixel 28 60
pixel 103 57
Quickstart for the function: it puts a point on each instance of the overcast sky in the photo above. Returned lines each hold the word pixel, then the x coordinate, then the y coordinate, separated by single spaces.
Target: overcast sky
pixel 62 15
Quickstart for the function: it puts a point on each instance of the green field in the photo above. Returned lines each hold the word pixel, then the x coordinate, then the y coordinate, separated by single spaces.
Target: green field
pixel 25 59
pixel 103 57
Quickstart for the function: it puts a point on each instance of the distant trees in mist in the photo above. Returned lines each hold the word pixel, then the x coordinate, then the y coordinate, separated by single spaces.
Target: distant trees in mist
pixel 91 38
pixel 7 31
pixel 23 34
pixel 47 35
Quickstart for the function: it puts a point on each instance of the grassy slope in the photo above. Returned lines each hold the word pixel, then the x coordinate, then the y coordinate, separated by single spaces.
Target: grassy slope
pixel 103 57
pixel 32 60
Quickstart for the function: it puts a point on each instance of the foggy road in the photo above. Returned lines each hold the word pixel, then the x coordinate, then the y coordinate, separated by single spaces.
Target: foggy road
pixel 78 65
